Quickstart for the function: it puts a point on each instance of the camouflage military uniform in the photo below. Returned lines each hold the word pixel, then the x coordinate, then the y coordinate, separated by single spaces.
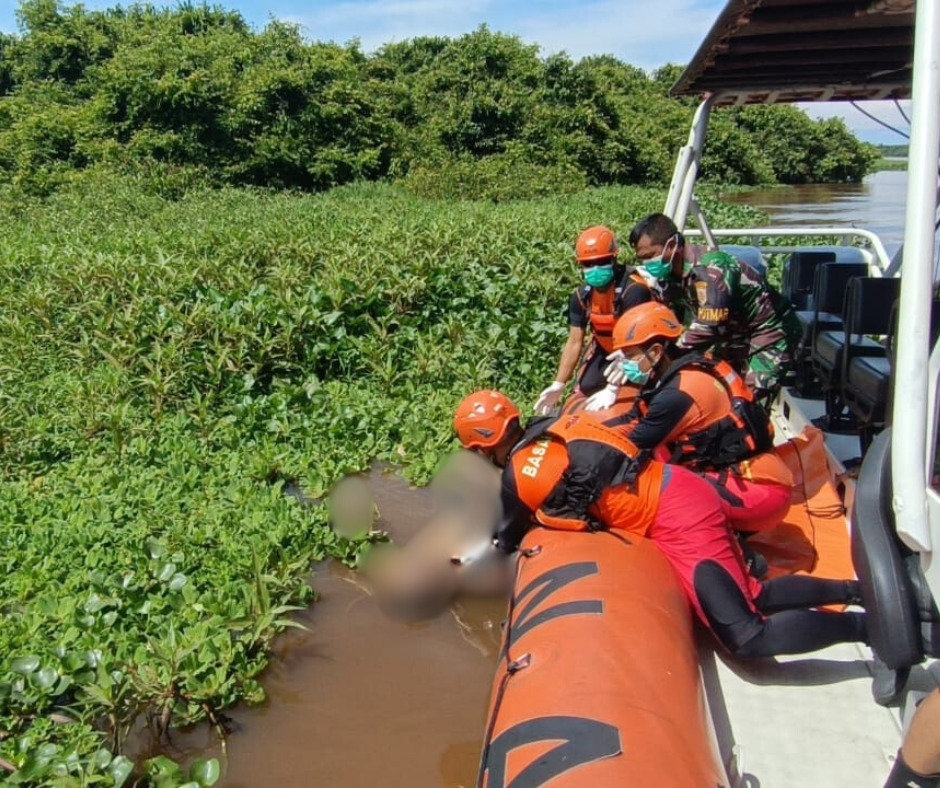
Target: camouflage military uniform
pixel 729 308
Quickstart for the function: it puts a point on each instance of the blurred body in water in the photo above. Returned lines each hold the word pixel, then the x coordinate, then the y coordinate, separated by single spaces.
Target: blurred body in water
pixel 451 554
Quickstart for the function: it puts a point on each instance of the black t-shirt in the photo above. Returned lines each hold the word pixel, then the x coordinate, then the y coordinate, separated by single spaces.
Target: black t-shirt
pixel 666 410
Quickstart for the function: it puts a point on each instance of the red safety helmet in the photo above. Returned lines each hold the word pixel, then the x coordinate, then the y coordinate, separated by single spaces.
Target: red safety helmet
pixel 596 243
pixel 645 323
pixel 482 420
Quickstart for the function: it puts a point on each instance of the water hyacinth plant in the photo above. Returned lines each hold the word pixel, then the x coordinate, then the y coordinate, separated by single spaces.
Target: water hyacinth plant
pixel 167 367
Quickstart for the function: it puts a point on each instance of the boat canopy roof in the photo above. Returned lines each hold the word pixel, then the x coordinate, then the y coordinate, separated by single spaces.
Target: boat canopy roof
pixel 783 51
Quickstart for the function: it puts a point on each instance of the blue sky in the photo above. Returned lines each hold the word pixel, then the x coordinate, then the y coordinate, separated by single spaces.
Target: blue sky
pixel 645 33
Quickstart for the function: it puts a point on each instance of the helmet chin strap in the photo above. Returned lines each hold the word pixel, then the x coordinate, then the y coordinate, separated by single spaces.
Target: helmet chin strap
pixel 662 360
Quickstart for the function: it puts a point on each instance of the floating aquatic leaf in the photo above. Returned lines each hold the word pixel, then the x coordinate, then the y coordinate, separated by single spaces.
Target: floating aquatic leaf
pixel 47 750
pixel 45 678
pixel 205 772
pixel 155 549
pixel 102 758
pixel 24 665
pixel 120 769
pixel 93 604
pixel 177 581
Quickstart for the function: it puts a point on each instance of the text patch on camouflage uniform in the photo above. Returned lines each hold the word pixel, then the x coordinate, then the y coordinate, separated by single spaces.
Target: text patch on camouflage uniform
pixel 701 293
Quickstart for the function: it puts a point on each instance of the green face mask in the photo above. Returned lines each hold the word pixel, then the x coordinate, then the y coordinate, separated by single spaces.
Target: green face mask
pixel 599 275
pixel 658 268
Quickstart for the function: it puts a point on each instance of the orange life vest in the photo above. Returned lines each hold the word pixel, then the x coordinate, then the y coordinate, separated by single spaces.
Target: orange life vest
pixel 603 307
pixel 572 464
pixel 744 432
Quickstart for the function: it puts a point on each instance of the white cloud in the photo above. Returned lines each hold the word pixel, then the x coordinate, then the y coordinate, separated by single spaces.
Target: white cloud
pixel 640 33
pixel 647 35
pixel 863 126
pixel 376 22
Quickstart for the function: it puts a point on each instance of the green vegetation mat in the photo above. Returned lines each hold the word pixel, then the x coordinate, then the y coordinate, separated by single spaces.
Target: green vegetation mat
pixel 168 366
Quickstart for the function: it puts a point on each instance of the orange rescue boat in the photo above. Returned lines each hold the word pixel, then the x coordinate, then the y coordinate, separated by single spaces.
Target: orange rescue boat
pixel 598 683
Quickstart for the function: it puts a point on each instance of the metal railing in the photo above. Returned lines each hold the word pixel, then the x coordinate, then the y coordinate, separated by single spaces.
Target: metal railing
pixel 873 248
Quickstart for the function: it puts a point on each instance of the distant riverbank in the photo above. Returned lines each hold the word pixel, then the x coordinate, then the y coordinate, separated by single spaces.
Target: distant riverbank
pixel 891 163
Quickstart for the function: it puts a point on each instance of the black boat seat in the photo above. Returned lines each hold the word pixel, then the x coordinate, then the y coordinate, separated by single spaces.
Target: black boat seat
pixel 810 319
pixel 830 285
pixel 799 272
pixel 868 378
pixel 903 620
pixel 830 344
pixel 867 313
pixel 830 282
pixel 867 384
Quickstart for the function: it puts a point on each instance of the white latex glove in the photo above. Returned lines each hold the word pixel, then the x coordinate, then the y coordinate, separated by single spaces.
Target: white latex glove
pixel 548 399
pixel 602 400
pixel 651 281
pixel 614 370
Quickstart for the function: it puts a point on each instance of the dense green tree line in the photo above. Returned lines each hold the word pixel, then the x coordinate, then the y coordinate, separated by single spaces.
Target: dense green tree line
pixel 194 92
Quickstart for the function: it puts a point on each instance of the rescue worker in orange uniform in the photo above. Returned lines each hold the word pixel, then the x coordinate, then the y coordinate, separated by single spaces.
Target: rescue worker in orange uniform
pixel 609 290
pixel 574 473
pixel 701 411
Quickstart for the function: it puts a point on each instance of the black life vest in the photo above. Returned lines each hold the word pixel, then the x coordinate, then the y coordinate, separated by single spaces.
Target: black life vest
pixel 744 433
pixel 598 458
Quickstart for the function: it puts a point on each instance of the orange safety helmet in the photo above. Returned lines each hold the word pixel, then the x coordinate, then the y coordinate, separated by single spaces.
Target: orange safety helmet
pixel 596 243
pixel 482 420
pixel 644 323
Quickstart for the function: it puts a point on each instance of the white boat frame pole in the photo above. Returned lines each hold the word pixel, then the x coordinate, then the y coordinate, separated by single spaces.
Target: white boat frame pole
pixel 685 173
pixel 911 454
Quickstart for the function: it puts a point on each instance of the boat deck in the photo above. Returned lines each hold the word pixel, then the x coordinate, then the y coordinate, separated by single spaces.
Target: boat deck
pixel 807 720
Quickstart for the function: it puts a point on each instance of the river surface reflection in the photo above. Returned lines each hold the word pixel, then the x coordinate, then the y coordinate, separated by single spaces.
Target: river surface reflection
pixel 877 204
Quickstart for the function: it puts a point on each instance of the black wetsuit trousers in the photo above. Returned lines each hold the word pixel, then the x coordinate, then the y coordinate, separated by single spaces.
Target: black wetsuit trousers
pixel 784 623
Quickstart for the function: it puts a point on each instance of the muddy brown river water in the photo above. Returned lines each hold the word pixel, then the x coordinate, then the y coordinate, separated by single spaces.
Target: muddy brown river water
pixel 360 699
